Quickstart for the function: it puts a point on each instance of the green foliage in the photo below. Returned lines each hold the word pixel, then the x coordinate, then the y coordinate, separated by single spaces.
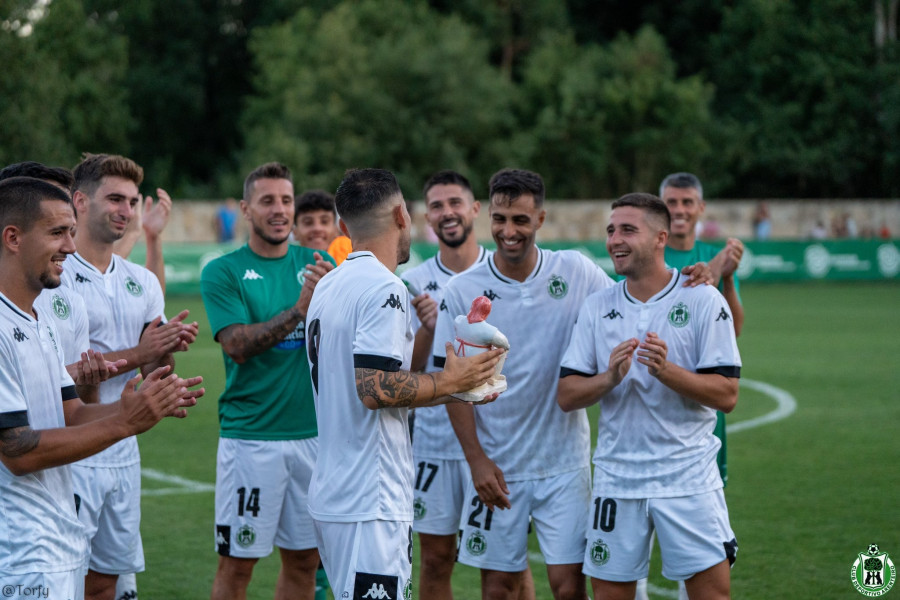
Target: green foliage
pixel 388 84
pixel 608 120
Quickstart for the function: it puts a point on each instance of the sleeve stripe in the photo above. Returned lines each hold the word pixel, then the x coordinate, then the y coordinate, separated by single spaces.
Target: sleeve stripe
pixel 439 361
pixel 373 361
pixel 16 418
pixel 69 393
pixel 565 372
pixel 725 371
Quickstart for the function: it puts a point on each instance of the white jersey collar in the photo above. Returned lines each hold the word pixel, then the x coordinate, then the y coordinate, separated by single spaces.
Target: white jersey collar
pixel 669 288
pixel 492 265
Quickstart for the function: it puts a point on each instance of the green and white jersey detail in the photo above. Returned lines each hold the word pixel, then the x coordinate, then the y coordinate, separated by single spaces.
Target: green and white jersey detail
pixel 268 397
pixel 122 301
pixel 39 530
pixel 66 309
pixel 359 317
pixel 433 434
pixel 651 441
pixel 524 431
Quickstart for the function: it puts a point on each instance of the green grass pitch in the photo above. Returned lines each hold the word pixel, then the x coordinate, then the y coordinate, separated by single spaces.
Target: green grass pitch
pixel 806 493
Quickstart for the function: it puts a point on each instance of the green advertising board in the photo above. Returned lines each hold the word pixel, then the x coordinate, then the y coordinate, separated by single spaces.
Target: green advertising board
pixel 762 261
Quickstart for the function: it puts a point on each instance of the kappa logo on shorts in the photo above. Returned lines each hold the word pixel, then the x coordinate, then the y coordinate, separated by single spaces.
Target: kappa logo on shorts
pixel 476 543
pixel 245 536
pixel 60 307
pixel 133 287
pixel 679 316
pixel 557 286
pixel 223 540
pixel 418 508
pixel 873 574
pixel 370 586
pixel 599 552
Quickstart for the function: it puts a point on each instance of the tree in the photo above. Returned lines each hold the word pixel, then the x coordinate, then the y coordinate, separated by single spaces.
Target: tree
pixel 384 84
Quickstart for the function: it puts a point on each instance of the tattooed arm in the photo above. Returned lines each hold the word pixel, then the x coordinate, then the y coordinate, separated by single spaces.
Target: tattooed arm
pixel 394 389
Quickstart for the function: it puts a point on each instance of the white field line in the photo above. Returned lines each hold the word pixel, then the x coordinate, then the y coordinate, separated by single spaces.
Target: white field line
pixel 185 486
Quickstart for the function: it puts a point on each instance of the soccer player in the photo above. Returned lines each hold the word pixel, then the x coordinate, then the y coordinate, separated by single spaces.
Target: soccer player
pixel 129 296
pixel 43 424
pixel 315 224
pixel 441 470
pixel 525 454
pixel 359 333
pixel 257 298
pixel 661 359
pixel 150 218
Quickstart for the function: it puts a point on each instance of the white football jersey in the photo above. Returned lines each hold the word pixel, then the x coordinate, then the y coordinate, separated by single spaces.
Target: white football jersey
pixel 39 530
pixel 652 442
pixel 66 309
pixel 359 317
pixel 121 301
pixel 433 436
pixel 524 431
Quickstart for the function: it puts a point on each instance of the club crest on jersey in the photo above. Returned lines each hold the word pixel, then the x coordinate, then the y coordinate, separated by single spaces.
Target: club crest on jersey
pixel 679 316
pixel 418 508
pixel 133 287
pixel 873 572
pixel 557 286
pixel 599 552
pixel 476 543
pixel 60 307
pixel 245 536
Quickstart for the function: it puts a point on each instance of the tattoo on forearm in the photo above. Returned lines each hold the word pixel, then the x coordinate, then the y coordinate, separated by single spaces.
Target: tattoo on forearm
pixel 387 389
pixel 18 441
pixel 257 338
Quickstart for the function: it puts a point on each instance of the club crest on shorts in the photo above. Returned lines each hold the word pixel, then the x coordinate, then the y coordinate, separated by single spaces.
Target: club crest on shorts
pixel 557 287
pixel 476 543
pixel 133 287
pixel 61 307
pixel 599 552
pixel 418 508
pixel 245 536
pixel 873 573
pixel 679 316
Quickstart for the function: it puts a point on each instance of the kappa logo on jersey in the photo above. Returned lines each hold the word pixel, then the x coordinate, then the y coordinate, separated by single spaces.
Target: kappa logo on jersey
pixel 723 315
pixel 19 335
pixel 133 287
pixel 251 275
pixel 613 315
pixel 393 301
pixel 60 307
pixel 432 286
pixel 679 316
pixel 557 287
pixel 223 540
pixel 371 586
pixel 490 295
pixel 81 278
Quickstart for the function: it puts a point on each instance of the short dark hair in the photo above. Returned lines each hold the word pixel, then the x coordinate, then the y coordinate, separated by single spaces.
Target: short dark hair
pixel 362 190
pixel 681 181
pixel 446 177
pixel 29 168
pixel 648 203
pixel 94 167
pixel 270 170
pixel 508 184
pixel 20 201
pixel 312 200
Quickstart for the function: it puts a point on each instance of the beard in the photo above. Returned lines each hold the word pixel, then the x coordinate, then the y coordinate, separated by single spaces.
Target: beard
pixel 268 238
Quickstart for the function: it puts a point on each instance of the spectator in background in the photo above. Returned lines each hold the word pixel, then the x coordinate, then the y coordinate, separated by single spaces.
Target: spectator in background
pixel 762 222
pixel 315 224
pixel 226 221
pixel 818 231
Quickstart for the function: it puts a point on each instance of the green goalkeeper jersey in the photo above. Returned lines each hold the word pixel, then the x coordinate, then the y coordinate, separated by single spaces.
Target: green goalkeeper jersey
pixel 268 397
pixel 680 259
